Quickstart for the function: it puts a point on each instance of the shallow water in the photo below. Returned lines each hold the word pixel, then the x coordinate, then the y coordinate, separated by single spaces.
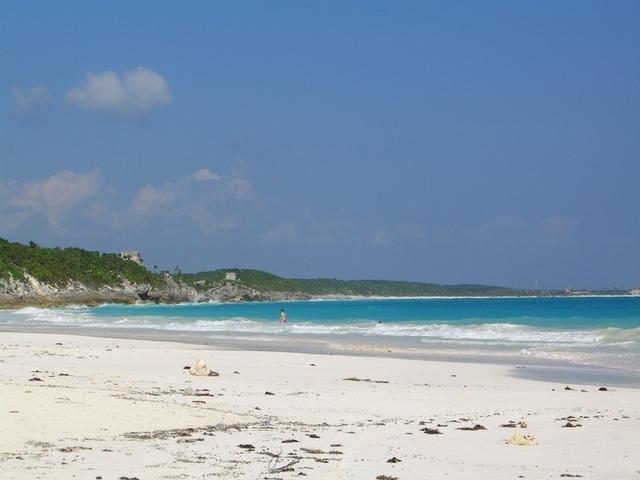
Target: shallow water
pixel 603 331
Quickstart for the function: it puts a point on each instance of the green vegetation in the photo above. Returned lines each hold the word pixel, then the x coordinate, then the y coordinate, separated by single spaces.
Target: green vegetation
pixel 267 282
pixel 58 266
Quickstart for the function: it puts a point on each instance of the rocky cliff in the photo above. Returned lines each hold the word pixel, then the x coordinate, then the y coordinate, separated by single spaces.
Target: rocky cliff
pixel 30 291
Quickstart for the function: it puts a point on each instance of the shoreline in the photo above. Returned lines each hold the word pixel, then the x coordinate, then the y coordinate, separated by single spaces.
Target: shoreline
pixel 104 300
pixel 542 369
pixel 597 356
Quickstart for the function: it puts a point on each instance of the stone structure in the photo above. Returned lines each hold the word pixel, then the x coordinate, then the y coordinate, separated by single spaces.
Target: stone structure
pixel 231 277
pixel 132 255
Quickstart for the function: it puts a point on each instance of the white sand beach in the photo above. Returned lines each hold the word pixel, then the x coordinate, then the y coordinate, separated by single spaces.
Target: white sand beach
pixel 100 408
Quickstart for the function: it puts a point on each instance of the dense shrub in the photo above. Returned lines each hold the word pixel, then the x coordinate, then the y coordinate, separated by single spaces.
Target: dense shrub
pixel 58 266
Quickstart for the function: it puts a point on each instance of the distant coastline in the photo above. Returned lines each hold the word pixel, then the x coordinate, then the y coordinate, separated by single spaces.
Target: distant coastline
pixel 32 275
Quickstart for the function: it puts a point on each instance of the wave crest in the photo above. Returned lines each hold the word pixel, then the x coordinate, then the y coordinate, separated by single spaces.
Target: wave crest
pixel 426 332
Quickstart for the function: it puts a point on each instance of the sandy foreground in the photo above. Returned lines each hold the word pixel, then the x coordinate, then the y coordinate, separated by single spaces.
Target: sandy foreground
pixel 90 408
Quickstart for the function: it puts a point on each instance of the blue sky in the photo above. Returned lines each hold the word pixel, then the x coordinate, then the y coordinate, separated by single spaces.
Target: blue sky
pixel 489 142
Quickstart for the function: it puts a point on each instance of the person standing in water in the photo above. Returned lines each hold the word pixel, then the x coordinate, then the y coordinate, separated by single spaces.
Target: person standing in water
pixel 283 316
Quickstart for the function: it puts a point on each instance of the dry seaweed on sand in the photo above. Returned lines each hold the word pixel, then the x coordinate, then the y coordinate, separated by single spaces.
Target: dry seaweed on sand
pixel 313 451
pixel 513 424
pixel 185 432
pixel 571 425
pixel 477 426
pixel 431 431
pixel 356 379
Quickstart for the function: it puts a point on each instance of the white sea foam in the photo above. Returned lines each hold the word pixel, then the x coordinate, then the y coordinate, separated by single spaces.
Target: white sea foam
pixel 427 332
pixel 614 347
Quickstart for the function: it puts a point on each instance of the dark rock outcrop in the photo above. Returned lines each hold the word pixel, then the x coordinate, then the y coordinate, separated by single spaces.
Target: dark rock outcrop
pixel 30 291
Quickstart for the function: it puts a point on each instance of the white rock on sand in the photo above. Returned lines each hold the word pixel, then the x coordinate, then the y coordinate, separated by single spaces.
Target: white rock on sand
pixel 200 369
pixel 115 408
pixel 523 439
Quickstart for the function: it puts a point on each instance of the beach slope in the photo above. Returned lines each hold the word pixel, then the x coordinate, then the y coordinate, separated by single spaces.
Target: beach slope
pixel 82 407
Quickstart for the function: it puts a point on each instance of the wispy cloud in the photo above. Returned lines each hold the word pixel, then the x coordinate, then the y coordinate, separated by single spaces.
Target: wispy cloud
pixel 33 97
pixel 203 203
pixel 51 197
pixel 137 91
pixel 240 188
pixel 205 175
pixel 150 200
pixel 207 200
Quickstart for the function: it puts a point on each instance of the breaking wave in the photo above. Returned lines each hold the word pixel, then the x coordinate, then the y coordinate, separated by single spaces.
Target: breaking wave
pixel 480 333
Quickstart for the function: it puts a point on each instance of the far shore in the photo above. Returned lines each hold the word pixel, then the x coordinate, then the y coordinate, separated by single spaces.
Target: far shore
pixel 9 303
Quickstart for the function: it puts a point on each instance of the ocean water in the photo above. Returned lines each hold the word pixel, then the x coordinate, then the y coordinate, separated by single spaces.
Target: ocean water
pixel 600 331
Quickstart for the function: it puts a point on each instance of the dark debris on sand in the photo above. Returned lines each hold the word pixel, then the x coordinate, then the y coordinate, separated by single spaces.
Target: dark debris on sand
pixel 356 379
pixel 513 424
pixel 431 431
pixel 571 425
pixel 477 426
pixel 184 432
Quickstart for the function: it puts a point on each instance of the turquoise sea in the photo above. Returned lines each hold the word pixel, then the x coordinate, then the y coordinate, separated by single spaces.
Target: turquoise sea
pixel 603 331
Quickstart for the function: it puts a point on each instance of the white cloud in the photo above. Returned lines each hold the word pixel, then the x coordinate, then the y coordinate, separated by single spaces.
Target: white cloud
pixel 138 91
pixel 6 188
pixel 211 207
pixel 204 175
pixel 31 97
pixel 240 188
pixel 208 204
pixel 150 200
pixel 71 200
pixel 54 195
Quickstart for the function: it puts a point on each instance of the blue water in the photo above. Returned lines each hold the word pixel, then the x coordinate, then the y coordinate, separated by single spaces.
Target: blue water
pixel 556 312
pixel 591 330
